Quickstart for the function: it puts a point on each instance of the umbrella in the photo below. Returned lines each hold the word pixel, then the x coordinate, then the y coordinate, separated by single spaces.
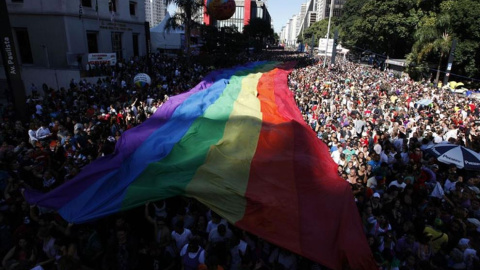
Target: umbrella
pixel 460 156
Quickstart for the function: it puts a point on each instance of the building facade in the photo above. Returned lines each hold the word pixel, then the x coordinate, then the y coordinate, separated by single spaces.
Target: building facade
pixel 155 11
pixel 323 8
pixel 56 36
pixel 310 12
pixel 245 10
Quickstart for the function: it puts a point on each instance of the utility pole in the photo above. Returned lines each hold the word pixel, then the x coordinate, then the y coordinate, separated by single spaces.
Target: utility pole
pixel 450 62
pixel 328 30
pixel 312 44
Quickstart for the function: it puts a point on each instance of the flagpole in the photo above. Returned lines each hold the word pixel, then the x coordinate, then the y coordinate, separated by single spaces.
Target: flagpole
pixel 328 31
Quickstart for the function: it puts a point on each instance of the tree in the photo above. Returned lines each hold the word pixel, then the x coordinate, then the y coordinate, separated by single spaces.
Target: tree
pixel 421 29
pixel 259 30
pixel 318 30
pixel 433 36
pixel 383 26
pixel 276 37
pixel 465 23
pixel 350 14
pixel 188 11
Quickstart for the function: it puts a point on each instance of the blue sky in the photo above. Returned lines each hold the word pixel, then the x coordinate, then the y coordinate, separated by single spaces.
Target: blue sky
pixel 282 10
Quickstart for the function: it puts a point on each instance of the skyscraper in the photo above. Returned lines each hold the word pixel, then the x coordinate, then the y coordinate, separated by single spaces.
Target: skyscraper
pixel 323 9
pixel 155 11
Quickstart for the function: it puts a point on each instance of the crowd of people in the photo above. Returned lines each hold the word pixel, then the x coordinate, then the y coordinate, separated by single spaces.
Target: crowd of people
pixel 417 213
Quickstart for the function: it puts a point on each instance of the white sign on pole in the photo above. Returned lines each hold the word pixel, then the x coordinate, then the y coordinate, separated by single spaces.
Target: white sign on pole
pixel 322 44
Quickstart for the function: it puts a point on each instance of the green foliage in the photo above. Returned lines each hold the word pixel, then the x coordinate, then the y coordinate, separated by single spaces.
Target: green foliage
pixel 385 26
pixel 184 18
pixel 422 30
pixel 349 35
pixel 318 30
pixel 465 22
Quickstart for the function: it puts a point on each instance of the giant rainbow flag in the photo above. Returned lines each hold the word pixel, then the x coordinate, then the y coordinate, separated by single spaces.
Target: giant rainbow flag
pixel 237 143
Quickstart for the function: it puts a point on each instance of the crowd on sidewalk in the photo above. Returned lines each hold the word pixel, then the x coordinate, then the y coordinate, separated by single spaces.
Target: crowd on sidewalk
pixel 418 213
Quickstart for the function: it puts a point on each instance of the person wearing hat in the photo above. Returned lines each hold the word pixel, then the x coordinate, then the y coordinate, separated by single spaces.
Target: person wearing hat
pixel 376 204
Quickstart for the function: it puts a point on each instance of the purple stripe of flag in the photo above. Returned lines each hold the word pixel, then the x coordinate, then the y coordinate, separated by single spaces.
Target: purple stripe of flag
pixel 129 141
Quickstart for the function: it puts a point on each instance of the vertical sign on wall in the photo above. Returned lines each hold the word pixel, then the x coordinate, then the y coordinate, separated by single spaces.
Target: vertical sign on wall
pixel 10 62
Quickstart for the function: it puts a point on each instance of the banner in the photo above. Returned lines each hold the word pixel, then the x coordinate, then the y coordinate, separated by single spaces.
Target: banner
pixel 102 58
pixel 11 64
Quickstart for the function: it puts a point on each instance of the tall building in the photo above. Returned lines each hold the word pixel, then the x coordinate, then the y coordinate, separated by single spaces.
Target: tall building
pixel 289 34
pixel 155 11
pixel 323 8
pixel 245 10
pixel 310 12
pixel 54 38
pixel 300 23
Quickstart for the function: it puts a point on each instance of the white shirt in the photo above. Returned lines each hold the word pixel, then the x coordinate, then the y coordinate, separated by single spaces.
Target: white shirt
pixel 438 191
pixel 336 156
pixel 39 109
pixel 215 237
pixel 32 134
pixel 287 260
pixel 452 133
pixel 182 239
pixel 211 226
pixel 42 132
pixel 395 183
pixel 449 185
pixel 234 252
pixel 191 255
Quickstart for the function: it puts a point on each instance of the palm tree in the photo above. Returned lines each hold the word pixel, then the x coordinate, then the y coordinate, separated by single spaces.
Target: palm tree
pixel 432 37
pixel 185 18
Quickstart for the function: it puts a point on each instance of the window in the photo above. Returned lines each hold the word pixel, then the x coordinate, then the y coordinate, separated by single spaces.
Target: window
pixel 133 7
pixel 87 3
pixel 117 44
pixel 112 5
pixel 23 43
pixel 92 42
pixel 135 44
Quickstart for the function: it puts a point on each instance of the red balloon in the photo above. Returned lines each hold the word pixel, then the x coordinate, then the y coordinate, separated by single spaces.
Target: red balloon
pixel 221 9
